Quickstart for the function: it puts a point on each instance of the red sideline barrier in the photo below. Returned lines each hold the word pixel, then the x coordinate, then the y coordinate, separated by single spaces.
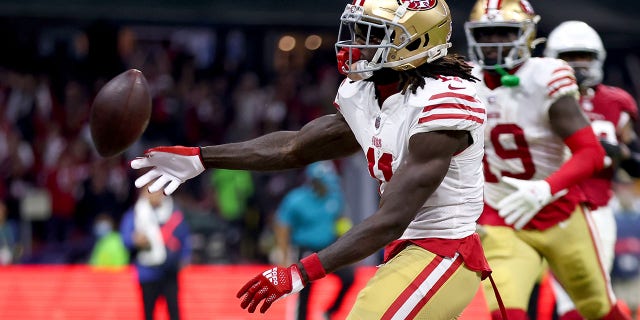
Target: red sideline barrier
pixel 207 292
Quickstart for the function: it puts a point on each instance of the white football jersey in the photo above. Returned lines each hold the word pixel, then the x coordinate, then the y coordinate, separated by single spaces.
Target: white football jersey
pixel 519 142
pixel 384 133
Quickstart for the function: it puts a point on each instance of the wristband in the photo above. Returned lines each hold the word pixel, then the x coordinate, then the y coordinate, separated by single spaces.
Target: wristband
pixel 313 267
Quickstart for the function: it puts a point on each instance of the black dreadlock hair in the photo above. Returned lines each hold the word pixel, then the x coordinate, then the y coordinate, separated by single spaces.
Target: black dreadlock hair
pixel 449 66
pixel 452 65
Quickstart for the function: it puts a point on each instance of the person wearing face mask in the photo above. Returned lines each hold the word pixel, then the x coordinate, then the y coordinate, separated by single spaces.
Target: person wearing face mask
pixel 155 231
pixel 109 250
pixel 612 112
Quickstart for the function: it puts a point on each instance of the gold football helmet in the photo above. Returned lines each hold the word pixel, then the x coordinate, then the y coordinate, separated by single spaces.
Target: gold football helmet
pixel 504 14
pixel 405 33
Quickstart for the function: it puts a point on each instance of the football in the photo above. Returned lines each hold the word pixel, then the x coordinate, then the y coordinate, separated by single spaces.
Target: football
pixel 120 113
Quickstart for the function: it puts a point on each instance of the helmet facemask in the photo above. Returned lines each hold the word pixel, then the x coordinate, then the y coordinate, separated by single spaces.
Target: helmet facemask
pixel 588 72
pixel 400 38
pixel 359 31
pixel 509 53
pixel 514 15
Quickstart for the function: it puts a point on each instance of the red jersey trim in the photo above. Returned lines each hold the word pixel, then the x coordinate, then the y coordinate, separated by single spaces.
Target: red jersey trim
pixel 453 95
pixel 566 68
pixel 570 78
pixel 450 116
pixel 457 106
pixel 469 248
pixel 560 87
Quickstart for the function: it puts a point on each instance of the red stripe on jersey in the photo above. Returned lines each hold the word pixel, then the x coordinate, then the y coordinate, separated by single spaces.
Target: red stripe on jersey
pixel 335 104
pixel 450 116
pixel 453 106
pixel 453 95
pixel 358 2
pixel 565 68
pixel 445 276
pixel 570 78
pixel 560 87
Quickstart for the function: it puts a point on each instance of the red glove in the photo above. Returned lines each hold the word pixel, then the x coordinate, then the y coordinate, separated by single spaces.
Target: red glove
pixel 170 167
pixel 278 282
pixel 270 286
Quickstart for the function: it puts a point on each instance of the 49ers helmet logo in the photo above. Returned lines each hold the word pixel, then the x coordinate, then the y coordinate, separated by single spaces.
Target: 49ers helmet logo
pixel 419 5
pixel 526 7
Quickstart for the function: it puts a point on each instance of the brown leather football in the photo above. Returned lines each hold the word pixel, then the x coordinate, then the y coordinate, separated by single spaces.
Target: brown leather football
pixel 120 113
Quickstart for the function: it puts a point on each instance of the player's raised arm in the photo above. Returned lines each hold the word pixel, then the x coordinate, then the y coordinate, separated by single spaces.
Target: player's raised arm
pixel 327 137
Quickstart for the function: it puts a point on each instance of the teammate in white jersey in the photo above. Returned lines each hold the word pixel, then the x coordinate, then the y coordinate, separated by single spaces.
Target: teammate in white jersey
pixel 612 112
pixel 413 111
pixel 538 147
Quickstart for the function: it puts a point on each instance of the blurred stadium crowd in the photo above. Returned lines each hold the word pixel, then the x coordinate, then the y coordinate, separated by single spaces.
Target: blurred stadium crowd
pixel 207 88
pixel 209 85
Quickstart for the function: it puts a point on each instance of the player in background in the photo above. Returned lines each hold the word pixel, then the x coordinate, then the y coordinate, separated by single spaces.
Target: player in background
pixel 532 200
pixel 415 116
pixel 612 112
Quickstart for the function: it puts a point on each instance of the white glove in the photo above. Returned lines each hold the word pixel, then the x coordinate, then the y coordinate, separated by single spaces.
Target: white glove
pixel 171 167
pixel 530 196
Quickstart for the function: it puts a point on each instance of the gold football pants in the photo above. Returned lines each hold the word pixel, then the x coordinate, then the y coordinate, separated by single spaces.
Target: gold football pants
pixel 516 256
pixel 417 284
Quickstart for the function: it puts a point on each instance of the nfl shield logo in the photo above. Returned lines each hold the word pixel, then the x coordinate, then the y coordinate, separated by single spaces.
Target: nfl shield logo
pixel 378 122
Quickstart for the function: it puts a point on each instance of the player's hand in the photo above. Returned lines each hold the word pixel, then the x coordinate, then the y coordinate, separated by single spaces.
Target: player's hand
pixel 530 196
pixel 271 285
pixel 170 167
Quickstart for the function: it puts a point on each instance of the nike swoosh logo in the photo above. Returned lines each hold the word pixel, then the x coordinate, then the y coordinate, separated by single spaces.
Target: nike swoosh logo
pixel 454 88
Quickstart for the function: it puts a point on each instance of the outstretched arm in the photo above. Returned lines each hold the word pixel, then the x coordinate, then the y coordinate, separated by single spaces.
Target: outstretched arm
pixel 324 138
pixel 327 137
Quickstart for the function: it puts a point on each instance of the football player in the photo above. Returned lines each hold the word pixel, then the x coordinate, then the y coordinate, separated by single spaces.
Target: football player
pixel 612 112
pixel 533 208
pixel 413 111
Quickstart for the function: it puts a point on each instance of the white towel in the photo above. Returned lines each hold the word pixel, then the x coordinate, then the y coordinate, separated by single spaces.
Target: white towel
pixel 147 221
